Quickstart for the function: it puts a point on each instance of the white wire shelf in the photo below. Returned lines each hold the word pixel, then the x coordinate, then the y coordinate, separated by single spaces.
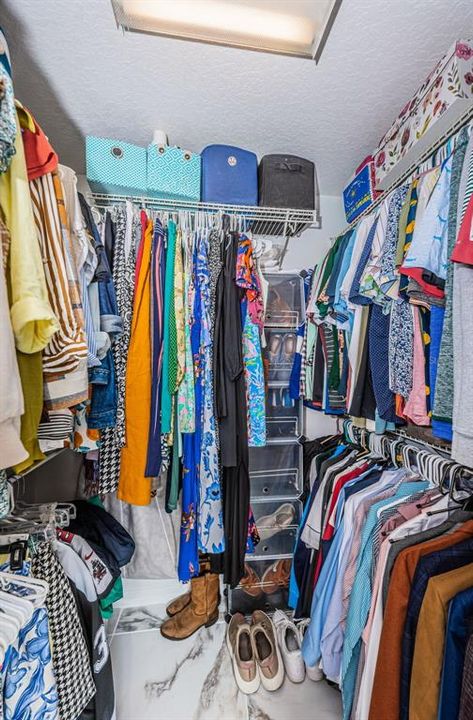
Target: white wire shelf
pixel 266 221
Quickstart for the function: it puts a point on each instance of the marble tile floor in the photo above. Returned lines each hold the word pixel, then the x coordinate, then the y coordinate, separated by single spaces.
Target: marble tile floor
pixel 156 679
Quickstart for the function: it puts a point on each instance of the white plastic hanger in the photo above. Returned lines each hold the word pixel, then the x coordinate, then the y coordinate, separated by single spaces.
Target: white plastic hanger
pixel 19 607
pixel 10 627
pixel 38 588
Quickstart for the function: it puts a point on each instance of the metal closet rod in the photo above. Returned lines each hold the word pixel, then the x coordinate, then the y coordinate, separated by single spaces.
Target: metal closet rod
pixel 455 128
pixel 405 436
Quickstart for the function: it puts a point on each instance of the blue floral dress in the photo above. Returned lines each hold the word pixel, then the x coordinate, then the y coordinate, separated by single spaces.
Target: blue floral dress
pixel 252 317
pixel 188 563
pixel 210 520
pixel 254 380
pixel 29 686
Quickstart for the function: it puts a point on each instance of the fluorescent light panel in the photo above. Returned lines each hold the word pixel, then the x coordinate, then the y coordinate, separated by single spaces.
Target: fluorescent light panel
pixel 288 27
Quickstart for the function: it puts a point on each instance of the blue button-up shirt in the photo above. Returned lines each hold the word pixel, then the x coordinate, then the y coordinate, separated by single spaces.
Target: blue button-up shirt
pixel 360 597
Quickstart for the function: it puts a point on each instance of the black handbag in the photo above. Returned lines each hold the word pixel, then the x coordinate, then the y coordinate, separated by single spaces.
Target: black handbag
pixel 286 181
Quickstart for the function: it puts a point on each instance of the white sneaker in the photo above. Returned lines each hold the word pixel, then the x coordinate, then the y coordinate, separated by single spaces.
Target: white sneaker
pixel 240 646
pixel 289 641
pixel 313 673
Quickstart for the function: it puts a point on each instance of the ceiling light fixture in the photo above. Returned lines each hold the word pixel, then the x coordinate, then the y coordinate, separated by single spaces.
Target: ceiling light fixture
pixel 286 27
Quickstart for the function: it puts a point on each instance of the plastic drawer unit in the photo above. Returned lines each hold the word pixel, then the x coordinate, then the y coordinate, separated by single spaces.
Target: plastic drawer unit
pixel 265 586
pixel 285 304
pixel 276 470
pixel 277 522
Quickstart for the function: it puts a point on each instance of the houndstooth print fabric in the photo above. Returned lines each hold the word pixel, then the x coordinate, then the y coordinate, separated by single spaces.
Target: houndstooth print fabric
pixel 4 495
pixel 124 279
pixel 71 660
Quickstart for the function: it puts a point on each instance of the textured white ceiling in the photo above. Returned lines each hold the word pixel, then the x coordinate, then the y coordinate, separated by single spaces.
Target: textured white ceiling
pixel 81 76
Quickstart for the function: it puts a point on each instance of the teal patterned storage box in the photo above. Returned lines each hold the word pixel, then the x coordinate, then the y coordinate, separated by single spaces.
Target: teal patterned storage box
pixel 173 173
pixel 114 166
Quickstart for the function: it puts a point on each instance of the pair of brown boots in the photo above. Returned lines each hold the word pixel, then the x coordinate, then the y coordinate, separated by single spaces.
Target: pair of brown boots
pixel 193 610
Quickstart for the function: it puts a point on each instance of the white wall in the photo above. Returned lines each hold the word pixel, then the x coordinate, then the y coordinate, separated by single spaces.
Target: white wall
pixel 311 246
pixel 305 251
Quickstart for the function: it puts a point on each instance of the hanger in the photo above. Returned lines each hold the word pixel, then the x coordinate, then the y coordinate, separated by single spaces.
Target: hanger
pixel 460 472
pixel 395 446
pixel 375 445
pixel 13 614
pixel 452 501
pixel 9 631
pixel 96 214
pixel 10 627
pixel 9 538
pixel 17 606
pixel 38 588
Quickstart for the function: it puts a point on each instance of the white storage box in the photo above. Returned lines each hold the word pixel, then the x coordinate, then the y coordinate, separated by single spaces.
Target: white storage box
pixel 441 100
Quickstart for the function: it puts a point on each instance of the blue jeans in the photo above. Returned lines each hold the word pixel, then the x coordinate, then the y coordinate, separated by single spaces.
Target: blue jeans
pixel 103 407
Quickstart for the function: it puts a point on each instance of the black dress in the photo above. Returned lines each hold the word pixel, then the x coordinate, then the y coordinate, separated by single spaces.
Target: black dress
pixel 230 402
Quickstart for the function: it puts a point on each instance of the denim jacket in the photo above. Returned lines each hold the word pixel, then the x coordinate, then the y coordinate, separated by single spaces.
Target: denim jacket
pixel 103 408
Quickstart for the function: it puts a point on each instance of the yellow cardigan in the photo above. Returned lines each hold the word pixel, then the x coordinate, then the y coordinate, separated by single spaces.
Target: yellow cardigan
pixel 32 317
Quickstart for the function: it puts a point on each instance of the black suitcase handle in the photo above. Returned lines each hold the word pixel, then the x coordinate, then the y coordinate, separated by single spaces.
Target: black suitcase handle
pixel 291 167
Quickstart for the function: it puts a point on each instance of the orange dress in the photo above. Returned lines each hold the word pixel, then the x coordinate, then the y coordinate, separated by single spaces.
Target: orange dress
pixel 133 486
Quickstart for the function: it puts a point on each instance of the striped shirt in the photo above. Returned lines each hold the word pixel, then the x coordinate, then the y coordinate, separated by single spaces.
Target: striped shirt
pixel 68 346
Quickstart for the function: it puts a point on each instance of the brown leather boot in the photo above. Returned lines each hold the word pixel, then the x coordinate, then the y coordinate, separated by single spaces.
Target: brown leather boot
pixel 180 602
pixel 201 611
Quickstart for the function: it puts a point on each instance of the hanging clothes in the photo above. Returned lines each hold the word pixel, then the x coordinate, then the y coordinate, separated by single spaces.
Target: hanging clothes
pixel 211 532
pixel 247 278
pixel 232 415
pixel 188 564
pixel 71 665
pixel 25 671
pixel 126 227
pixel 378 538
pixel 443 407
pixel 169 367
pixel 186 397
pixel 157 270
pixel 134 486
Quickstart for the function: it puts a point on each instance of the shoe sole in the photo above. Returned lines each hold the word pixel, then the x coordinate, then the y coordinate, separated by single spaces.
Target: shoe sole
pixel 248 688
pixel 207 625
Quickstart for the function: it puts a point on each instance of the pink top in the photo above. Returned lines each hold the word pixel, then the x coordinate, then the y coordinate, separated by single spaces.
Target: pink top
pixel 415 408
